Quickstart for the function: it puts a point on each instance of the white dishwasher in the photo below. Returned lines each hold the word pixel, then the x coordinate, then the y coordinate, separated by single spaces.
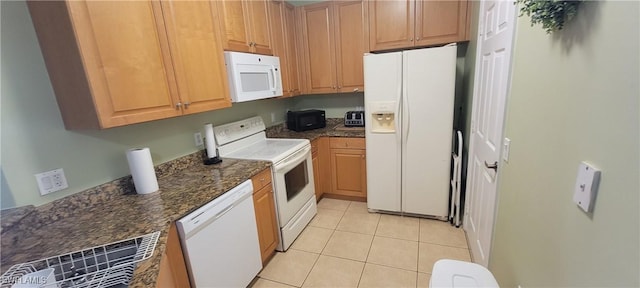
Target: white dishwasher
pixel 220 240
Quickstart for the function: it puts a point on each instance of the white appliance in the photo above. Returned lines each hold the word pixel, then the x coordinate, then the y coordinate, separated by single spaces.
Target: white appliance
pixel 220 240
pixel 409 99
pixel 292 171
pixel 253 76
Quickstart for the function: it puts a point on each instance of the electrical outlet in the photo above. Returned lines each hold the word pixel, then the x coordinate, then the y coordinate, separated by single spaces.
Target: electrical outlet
pixel 51 181
pixel 197 137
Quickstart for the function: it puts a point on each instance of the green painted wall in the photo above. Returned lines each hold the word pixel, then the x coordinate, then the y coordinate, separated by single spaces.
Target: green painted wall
pixel 304 2
pixel 334 105
pixel 34 139
pixel 574 97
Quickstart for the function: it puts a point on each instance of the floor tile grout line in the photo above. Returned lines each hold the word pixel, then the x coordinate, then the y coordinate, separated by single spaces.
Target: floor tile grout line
pixel 444 245
pixel 418 258
pixel 372 239
pixel 325 245
pixel 310 270
pixel 394 267
pixel 277 282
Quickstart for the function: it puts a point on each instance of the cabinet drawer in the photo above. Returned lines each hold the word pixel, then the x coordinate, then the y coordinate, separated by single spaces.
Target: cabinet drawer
pixel 261 179
pixel 347 143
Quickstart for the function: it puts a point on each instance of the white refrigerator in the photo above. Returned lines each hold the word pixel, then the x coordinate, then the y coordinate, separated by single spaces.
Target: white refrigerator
pixel 409 98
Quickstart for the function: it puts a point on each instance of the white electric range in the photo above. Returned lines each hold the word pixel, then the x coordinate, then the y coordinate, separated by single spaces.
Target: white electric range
pixel 292 171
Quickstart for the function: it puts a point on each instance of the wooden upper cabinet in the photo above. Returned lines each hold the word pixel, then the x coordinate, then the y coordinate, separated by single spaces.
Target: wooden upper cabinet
pixel 319 47
pixel 416 23
pixel 233 27
pixel 335 36
pixel 107 74
pixel 351 38
pixel 198 61
pixel 244 26
pixel 439 22
pixel 259 20
pixel 291 48
pixel 391 24
pixel 283 45
pixel 104 73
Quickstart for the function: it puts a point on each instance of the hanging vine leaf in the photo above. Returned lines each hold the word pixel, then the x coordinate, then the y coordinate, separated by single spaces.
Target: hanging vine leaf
pixel 552 14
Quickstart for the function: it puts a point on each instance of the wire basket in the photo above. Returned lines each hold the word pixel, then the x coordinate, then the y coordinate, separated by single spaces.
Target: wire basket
pixel 109 265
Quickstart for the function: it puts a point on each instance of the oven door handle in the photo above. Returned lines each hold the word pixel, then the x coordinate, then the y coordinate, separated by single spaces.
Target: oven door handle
pixel 293 160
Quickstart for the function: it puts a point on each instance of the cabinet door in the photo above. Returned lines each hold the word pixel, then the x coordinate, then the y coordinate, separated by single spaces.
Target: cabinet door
pixel 173 271
pixel 391 24
pixel 315 149
pixel 278 45
pixel 258 18
pixel 319 47
pixel 197 55
pixel 291 34
pixel 440 22
pixel 129 70
pixel 232 27
pixel 266 221
pixel 352 41
pixel 348 168
pixel 316 175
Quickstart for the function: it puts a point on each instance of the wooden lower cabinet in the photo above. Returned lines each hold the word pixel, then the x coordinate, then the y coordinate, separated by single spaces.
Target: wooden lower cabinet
pixel 265 209
pixel 173 270
pixel 317 182
pixel 348 167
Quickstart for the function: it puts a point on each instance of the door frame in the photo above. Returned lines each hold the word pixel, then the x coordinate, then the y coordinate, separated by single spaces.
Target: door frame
pixel 470 152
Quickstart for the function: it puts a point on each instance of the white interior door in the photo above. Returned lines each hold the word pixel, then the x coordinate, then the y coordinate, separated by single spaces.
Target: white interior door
pixel 493 62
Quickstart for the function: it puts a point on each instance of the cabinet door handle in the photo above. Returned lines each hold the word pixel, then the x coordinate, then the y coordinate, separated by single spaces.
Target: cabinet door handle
pixel 178 105
pixel 333 87
pixel 356 89
pixel 339 87
pixel 418 39
pixel 410 39
pixel 186 105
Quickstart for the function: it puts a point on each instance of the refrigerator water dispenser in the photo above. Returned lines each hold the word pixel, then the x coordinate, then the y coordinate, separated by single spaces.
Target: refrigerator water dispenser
pixel 383 117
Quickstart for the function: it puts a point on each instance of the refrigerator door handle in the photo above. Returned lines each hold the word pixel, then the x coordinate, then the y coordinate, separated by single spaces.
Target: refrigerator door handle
pixel 398 103
pixel 406 117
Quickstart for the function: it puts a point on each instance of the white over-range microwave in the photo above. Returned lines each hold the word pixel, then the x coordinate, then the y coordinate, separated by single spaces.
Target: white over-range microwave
pixel 253 76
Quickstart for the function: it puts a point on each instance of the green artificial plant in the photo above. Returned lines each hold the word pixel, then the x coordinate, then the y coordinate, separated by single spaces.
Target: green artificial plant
pixel 552 14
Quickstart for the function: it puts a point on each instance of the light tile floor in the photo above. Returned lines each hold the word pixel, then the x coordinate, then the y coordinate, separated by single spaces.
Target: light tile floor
pixel 346 246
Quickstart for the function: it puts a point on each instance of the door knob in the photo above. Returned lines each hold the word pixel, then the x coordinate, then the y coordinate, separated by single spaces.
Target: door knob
pixel 493 166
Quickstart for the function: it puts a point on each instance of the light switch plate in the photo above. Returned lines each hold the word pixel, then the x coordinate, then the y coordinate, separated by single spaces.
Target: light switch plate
pixel 506 145
pixel 586 186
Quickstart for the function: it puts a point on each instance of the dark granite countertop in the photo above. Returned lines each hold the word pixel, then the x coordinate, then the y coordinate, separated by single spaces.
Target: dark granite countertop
pixel 112 212
pixel 335 128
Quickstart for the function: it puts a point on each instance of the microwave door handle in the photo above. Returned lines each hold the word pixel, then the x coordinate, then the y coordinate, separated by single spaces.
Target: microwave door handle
pixel 273 72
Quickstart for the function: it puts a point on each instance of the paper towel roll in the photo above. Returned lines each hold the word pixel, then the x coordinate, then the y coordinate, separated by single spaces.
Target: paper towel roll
pixel 141 167
pixel 210 140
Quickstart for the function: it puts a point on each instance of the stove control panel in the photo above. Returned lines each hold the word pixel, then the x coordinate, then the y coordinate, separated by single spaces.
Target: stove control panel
pixel 236 130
